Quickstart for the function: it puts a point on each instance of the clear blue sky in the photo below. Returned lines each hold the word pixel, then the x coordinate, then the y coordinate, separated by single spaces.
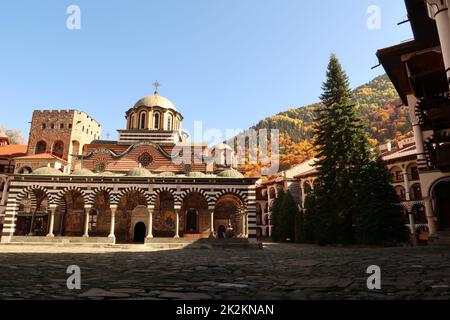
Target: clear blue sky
pixel 229 63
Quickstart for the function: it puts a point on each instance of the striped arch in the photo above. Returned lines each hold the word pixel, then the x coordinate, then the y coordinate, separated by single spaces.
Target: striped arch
pixel 60 196
pixel 187 192
pixel 118 196
pixel 239 193
pixel 158 191
pixel 90 197
pixel 29 192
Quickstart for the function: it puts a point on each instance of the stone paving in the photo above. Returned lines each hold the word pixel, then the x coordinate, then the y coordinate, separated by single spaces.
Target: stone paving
pixel 279 271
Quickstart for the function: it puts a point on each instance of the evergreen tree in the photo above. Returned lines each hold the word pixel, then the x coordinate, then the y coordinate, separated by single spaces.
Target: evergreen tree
pixel 342 146
pixel 379 221
pixel 276 216
pixel 288 214
pixel 353 200
pixel 309 218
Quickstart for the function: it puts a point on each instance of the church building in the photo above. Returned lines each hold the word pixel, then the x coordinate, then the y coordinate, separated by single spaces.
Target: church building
pixel 150 183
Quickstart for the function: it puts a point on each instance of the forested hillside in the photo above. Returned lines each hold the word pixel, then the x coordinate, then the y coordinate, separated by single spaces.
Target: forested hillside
pixel 379 105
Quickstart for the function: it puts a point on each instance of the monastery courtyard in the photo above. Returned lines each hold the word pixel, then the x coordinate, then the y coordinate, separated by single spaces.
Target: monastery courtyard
pixel 279 271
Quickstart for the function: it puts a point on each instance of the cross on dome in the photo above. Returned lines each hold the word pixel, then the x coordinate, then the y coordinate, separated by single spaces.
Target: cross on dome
pixel 156 85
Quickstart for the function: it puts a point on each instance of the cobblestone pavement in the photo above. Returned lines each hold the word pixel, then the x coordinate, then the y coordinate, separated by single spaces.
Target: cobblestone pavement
pixel 279 271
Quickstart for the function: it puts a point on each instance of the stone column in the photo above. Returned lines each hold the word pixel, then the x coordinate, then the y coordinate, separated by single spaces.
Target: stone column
pixel 439 12
pixel 177 224
pixel 212 224
pixel 52 220
pixel 113 221
pixel 5 192
pixel 406 184
pixel 430 216
pixel 412 228
pixel 302 188
pixel 418 138
pixel 150 222
pixel 243 224
pixel 33 217
pixel 87 208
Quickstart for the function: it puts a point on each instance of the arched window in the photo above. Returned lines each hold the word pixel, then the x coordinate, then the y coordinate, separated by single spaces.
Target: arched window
pixel 132 121
pixel 58 149
pixel 169 122
pixel 156 120
pixel 41 147
pixel 142 120
pixel 416 192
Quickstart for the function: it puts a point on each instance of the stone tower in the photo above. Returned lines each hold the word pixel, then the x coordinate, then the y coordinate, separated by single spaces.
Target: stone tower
pixel 61 132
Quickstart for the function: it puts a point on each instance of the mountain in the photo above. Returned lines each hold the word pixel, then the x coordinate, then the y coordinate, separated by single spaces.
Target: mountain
pixel 379 104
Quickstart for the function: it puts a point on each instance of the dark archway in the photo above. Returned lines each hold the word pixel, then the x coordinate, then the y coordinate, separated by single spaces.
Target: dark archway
pixel 221 231
pixel 58 149
pixel 442 194
pixel 139 232
pixel 41 147
pixel 129 201
pixel 70 218
pixel 191 221
pixel 196 218
pixel 228 212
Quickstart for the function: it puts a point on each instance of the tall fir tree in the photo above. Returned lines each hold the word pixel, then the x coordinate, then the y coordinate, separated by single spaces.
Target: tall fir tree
pixel 288 214
pixel 276 216
pixel 342 146
pixel 344 212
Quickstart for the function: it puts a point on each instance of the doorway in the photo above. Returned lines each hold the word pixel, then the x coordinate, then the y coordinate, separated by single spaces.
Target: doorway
pixel 442 193
pixel 191 221
pixel 139 232
pixel 221 231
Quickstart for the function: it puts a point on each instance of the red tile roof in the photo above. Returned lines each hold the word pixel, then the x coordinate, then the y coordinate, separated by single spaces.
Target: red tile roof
pixel 41 156
pixel 13 150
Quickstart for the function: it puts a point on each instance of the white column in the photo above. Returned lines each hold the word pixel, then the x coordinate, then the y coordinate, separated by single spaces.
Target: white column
pixel 87 208
pixel 150 222
pixel 177 224
pixel 113 221
pixel 406 184
pixel 412 228
pixel 246 225
pixel 430 216
pixel 302 188
pixel 439 12
pixel 243 224
pixel 418 138
pixel 33 217
pixel 212 224
pixel 5 192
pixel 52 221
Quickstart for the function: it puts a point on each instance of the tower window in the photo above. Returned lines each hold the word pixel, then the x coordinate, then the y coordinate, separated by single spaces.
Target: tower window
pixel 169 122
pixel 43 126
pixel 52 126
pixel 61 126
pixel 156 120
pixel 132 121
pixel 142 120
pixel 41 147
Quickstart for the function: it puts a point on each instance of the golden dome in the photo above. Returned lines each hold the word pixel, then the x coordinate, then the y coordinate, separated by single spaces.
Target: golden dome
pixel 155 101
